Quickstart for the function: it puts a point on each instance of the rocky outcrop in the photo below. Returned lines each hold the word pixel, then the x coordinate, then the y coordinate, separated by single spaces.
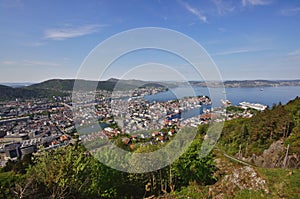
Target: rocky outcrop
pixel 240 178
pixel 234 177
pixel 274 157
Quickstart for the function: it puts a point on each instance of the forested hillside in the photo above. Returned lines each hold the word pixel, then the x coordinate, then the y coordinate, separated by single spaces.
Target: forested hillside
pixel 279 124
pixel 9 93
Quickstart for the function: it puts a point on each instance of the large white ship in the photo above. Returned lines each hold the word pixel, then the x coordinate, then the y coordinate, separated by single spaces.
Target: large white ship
pixel 246 105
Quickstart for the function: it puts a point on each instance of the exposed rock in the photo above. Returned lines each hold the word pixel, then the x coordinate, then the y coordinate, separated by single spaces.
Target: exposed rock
pixel 273 157
pixel 293 161
pixel 239 178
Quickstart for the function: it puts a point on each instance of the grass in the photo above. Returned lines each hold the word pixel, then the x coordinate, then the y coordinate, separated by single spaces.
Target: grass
pixel 193 191
pixel 282 183
pixel 251 194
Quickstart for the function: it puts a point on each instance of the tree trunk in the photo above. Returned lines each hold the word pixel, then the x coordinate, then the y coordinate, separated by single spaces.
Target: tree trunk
pixel 172 187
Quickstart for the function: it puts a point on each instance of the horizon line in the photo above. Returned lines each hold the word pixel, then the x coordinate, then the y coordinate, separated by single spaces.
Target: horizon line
pixel 36 82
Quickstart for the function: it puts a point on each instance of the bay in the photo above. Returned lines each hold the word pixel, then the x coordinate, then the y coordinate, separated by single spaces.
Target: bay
pixel 266 96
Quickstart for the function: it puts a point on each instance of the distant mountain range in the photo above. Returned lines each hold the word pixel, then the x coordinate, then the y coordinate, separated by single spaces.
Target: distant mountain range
pixel 62 87
pixel 16 85
pixel 248 83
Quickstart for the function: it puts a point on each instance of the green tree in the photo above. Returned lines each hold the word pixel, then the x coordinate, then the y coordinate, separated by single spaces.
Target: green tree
pixel 69 172
pixel 7 184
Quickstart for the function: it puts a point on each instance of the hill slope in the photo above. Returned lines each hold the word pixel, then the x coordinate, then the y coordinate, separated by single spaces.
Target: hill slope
pixel 111 84
pixel 61 87
pixel 9 93
pixel 263 139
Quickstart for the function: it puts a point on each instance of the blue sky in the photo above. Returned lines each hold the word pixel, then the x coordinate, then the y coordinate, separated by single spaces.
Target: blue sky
pixel 247 39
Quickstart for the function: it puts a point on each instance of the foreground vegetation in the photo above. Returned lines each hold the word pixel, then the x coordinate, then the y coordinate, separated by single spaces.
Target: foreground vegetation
pixel 280 183
pixel 71 172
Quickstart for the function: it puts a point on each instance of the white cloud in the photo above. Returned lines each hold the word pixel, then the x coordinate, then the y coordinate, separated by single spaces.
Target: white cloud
pixel 194 11
pixel 239 51
pixel 295 52
pixel 71 32
pixel 294 55
pixel 30 63
pixel 223 7
pixel 255 2
pixel 230 52
pixel 8 62
pixel 290 11
pixel 35 44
